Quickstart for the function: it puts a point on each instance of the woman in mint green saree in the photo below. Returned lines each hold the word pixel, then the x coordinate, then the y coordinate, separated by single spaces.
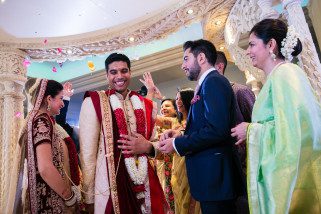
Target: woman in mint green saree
pixel 284 139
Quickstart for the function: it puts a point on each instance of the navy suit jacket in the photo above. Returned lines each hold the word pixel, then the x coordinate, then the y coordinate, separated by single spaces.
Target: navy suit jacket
pixel 213 169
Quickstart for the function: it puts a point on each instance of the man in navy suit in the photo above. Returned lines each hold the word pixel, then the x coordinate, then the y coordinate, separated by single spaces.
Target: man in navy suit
pixel 213 169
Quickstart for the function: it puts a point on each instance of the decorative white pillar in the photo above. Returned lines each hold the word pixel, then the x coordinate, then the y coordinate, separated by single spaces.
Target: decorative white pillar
pixel 243 16
pixel 309 60
pixel 252 81
pixel 12 80
pixel 267 10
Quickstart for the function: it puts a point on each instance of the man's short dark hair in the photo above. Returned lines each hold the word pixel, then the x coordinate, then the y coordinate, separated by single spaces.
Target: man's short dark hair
pixel 221 58
pixel 202 46
pixel 114 57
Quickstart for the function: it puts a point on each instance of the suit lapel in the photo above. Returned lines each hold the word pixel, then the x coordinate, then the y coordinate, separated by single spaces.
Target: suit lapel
pixel 188 117
pixel 191 108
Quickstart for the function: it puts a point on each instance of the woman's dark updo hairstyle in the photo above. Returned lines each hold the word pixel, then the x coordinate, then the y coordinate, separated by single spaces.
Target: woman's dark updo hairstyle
pixel 53 89
pixel 268 29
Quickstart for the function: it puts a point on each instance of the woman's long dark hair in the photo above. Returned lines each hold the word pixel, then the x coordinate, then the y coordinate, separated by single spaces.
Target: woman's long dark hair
pixel 187 95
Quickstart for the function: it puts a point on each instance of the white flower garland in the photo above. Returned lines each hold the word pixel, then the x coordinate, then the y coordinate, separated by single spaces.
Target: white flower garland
pixel 288 43
pixel 137 172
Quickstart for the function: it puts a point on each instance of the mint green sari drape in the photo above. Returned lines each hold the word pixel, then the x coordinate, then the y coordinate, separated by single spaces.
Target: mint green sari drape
pixel 284 145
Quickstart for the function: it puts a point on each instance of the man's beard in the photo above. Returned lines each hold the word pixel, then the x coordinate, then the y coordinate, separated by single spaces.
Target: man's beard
pixel 194 72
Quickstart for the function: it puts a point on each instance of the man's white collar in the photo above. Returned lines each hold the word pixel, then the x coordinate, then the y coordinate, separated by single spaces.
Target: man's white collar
pixel 204 75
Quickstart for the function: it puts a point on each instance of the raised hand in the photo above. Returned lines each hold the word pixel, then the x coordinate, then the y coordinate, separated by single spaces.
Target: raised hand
pixel 68 91
pixel 148 81
pixel 152 90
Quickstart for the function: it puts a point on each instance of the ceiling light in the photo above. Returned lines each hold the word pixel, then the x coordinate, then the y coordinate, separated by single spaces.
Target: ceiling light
pixel 2 1
pixel 190 11
pixel 131 39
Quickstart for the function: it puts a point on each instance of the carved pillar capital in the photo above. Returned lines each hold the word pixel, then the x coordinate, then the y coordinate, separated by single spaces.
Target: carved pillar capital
pixel 267 10
pixel 11 65
pixel 243 16
pixel 309 60
pixel 289 3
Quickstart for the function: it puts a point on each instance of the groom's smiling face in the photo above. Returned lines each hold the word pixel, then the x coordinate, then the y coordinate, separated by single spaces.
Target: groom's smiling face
pixel 118 76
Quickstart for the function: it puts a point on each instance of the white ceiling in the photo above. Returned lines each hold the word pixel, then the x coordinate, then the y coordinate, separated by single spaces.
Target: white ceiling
pixel 56 18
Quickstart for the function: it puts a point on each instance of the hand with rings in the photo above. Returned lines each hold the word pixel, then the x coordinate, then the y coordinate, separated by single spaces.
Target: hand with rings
pixel 239 132
pixel 134 144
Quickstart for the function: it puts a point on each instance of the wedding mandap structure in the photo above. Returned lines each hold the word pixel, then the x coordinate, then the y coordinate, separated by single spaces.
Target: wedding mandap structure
pixel 150 32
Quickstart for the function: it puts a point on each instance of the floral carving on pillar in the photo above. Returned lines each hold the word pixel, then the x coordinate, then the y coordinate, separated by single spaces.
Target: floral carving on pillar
pixel 12 79
pixel 243 16
pixel 309 60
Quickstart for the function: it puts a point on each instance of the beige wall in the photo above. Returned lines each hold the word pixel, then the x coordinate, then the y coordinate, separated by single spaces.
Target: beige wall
pixel 315 15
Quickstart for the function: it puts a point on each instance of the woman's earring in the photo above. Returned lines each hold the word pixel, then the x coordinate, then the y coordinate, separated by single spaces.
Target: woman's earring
pixel 48 107
pixel 273 56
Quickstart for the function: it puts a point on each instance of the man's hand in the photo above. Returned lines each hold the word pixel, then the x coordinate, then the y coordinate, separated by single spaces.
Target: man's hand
pixel 135 144
pixel 170 134
pixel 239 132
pixel 166 146
pixel 68 91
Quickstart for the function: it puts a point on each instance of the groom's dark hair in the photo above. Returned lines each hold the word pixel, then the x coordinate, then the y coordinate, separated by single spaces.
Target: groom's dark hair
pixel 202 46
pixel 114 57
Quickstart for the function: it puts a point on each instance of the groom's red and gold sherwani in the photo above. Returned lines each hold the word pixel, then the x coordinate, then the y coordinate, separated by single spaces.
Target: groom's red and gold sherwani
pixel 114 182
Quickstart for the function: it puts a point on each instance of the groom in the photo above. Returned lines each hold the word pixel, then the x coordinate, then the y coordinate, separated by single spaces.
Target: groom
pixel 116 129
pixel 213 169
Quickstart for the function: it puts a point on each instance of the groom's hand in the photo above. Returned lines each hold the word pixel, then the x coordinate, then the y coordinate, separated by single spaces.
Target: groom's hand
pixel 135 144
pixel 166 146
pixel 170 134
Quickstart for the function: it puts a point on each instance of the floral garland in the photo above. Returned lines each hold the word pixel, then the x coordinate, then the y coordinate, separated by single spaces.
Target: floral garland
pixel 137 169
pixel 288 43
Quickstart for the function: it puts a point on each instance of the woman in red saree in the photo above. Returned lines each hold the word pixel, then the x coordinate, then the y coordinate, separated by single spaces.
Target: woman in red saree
pixel 48 162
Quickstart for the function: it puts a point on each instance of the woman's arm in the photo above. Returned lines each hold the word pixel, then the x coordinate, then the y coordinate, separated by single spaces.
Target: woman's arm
pixel 43 131
pixel 49 173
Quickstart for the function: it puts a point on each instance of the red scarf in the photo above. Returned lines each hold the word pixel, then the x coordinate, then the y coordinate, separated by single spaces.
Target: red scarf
pixel 128 202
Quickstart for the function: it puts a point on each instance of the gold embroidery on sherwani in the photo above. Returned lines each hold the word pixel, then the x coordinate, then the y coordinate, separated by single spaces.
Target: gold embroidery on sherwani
pixel 106 127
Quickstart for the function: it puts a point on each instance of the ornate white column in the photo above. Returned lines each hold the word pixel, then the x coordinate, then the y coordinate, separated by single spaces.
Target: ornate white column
pixel 251 81
pixel 309 60
pixel 243 16
pixel 267 10
pixel 12 80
